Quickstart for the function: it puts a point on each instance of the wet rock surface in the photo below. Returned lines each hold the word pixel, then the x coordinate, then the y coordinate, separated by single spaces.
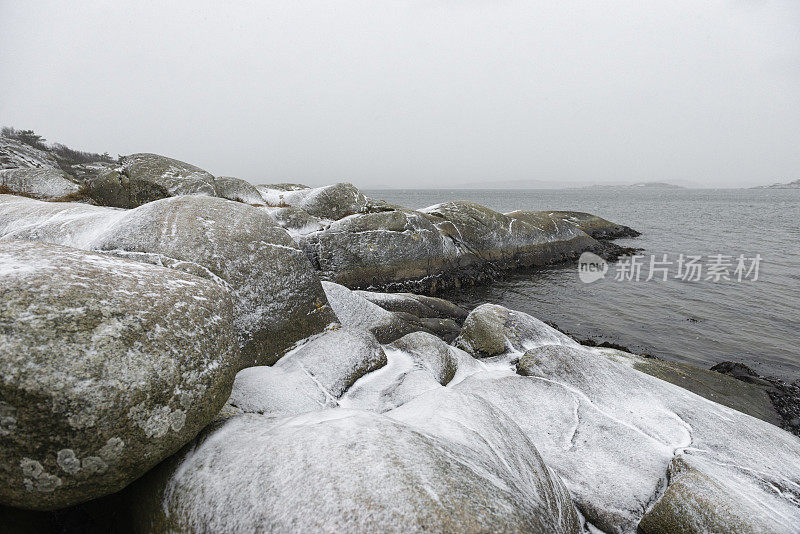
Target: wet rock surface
pixel 785 398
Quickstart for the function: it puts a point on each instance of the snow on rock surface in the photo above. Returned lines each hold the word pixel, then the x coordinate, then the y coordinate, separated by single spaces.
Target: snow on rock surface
pixel 536 409
pixel 296 221
pixel 335 359
pixel 328 202
pixel 490 330
pixel 378 249
pixel 177 177
pixel 273 193
pixel 45 183
pixel 381 245
pixel 341 470
pixel 595 226
pixel 419 305
pixel 355 311
pixel 107 366
pixel 618 430
pixel 18 155
pixel 237 189
pixel 277 297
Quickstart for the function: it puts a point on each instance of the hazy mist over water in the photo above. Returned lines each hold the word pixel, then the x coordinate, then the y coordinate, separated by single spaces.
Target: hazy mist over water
pixel 417 93
pixel 702 323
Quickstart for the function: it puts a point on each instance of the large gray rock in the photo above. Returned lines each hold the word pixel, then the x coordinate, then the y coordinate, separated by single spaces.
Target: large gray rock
pixel 107 366
pixel 17 155
pixel 328 202
pixel 752 399
pixel 296 221
pixel 486 236
pixel 109 187
pixel 177 177
pixel 431 353
pixel 335 359
pixel 490 330
pixel 357 312
pixel 345 470
pixel 44 183
pixel 277 297
pixel 237 189
pixel 379 249
pixel 442 246
pixel 595 226
pixel 421 306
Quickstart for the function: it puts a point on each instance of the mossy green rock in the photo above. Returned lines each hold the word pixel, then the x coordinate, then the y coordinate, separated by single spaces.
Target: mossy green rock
pixel 107 366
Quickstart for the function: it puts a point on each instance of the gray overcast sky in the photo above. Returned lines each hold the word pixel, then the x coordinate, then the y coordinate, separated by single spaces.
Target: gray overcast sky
pixel 417 93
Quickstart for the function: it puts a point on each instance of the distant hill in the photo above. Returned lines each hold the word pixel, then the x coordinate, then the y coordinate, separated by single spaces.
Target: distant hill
pixel 552 184
pixel 643 185
pixel 658 185
pixel 790 185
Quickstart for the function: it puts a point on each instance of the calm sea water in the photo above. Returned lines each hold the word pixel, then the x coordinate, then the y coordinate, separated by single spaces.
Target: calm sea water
pixel 698 322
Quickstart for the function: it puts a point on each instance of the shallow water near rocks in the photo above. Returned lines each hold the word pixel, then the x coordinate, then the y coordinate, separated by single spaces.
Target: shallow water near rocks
pixel 700 322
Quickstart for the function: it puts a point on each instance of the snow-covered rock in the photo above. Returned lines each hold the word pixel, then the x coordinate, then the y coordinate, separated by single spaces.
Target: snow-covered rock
pixel 45 183
pixel 490 330
pixel 483 235
pixel 357 312
pixel 296 221
pixel 273 193
pixel 595 226
pixel 421 306
pixel 277 297
pixel 328 202
pixel 611 432
pixel 431 353
pixel 237 189
pixel 447 245
pixel 177 177
pixel 346 470
pixel 107 366
pixel 335 359
pixel 379 249
pixel 17 155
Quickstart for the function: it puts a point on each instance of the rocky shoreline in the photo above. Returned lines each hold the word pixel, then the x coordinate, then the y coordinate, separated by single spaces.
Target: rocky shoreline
pixel 181 352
